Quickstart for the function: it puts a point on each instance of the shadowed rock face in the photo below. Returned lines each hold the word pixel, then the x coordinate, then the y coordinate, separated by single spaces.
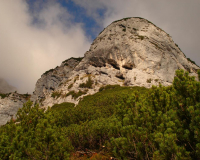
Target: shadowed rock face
pixel 131 52
pixel 51 79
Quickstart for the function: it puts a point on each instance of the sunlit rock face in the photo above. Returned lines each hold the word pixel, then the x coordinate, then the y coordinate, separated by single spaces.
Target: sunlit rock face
pixel 130 52
pixel 135 44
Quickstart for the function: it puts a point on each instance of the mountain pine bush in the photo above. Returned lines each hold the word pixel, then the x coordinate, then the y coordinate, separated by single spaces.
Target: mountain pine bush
pixel 122 122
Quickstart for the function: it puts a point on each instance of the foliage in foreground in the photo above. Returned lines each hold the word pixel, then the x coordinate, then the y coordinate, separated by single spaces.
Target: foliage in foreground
pixel 122 122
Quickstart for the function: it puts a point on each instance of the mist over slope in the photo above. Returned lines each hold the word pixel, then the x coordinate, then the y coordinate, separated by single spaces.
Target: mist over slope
pixel 5 87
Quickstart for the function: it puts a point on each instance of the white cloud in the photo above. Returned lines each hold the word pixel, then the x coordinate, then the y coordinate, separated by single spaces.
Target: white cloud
pixel 28 49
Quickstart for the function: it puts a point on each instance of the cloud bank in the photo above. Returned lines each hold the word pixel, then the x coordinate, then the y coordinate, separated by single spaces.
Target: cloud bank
pixel 29 46
pixel 179 18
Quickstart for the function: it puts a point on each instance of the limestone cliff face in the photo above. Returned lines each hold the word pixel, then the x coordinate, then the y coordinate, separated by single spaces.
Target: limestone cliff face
pixel 9 106
pixel 51 79
pixel 136 44
pixel 131 52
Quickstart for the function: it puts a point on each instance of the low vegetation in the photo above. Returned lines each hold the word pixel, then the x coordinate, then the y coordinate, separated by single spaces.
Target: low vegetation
pixel 70 86
pixel 120 122
pixel 78 59
pixel 51 70
pixel 4 95
pixel 125 19
pixel 75 95
pixel 149 80
pixel 140 37
pixel 191 61
pixel 62 106
pixel 25 96
pixel 56 94
pixel 88 83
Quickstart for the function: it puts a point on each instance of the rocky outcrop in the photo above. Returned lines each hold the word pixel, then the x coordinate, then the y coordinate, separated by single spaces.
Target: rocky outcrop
pixel 9 105
pixel 131 52
pixel 51 79
pixel 137 44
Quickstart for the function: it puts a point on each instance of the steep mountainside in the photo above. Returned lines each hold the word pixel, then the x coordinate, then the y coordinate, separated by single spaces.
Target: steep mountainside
pixel 52 78
pixel 131 52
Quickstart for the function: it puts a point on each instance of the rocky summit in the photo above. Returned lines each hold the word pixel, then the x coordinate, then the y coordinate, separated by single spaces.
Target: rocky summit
pixel 130 52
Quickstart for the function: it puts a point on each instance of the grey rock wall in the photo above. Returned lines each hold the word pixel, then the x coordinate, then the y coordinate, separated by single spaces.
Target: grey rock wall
pixel 9 107
pixel 51 79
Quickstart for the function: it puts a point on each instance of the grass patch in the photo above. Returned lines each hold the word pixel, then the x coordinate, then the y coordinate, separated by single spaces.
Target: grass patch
pixel 70 86
pixel 78 59
pixel 140 37
pixel 56 94
pixel 191 61
pixel 88 83
pixel 108 87
pixel 75 95
pixel 2 95
pixel 149 80
pixel 124 19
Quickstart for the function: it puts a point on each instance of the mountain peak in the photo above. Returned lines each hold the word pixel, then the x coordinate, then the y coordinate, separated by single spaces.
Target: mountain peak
pixel 130 51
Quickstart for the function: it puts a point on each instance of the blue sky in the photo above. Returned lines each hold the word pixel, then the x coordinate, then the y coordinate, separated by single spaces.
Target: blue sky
pixel 90 26
pixel 37 35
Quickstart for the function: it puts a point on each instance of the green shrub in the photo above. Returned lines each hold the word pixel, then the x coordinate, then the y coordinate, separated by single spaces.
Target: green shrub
pixel 108 87
pixel 88 83
pixel 75 95
pixel 62 106
pixel 149 80
pixel 70 86
pixel 35 137
pixel 78 59
pixel 2 95
pixel 191 61
pixel 156 80
pixel 126 122
pixel 140 37
pixel 56 94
